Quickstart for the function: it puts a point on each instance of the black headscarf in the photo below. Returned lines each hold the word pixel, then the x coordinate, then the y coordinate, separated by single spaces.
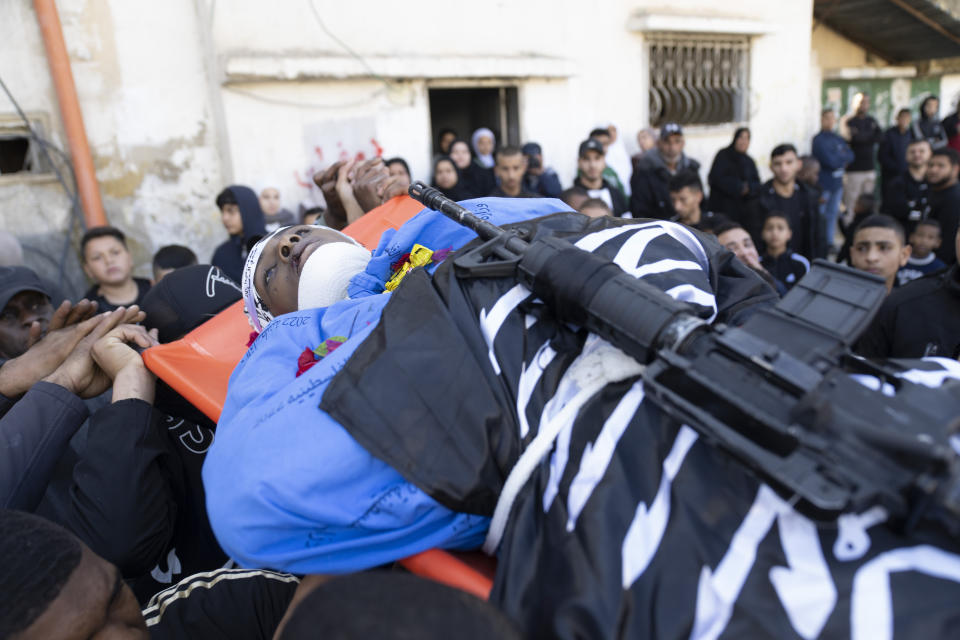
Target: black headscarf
pixel 456 192
pixel 475 181
pixel 730 171
pixel 736 134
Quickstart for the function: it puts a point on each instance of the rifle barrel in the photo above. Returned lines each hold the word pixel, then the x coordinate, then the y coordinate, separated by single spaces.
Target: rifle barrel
pixel 435 200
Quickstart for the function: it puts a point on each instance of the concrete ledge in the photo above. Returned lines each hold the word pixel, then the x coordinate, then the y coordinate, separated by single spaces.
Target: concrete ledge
pixel 648 21
pixel 265 68
pixel 860 73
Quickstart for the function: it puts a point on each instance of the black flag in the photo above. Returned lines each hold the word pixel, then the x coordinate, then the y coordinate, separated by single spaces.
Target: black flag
pixel 629 525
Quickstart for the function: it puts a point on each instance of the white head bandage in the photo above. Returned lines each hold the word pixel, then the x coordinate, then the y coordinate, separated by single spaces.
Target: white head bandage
pixel 254 306
pixel 326 274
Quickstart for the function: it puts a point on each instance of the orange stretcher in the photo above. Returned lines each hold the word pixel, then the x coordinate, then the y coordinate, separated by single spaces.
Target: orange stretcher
pixel 198 367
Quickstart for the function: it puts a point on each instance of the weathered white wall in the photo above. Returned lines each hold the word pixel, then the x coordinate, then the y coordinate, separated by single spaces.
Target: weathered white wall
pixel 588 68
pixel 183 99
pixel 141 81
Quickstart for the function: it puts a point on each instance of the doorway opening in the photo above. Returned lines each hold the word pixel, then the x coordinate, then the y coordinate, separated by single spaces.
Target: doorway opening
pixel 466 109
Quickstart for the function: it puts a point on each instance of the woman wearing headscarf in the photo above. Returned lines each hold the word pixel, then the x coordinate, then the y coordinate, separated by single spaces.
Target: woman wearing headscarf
pixel 733 177
pixel 483 142
pixel 445 139
pixel 476 181
pixel 928 126
pixel 446 178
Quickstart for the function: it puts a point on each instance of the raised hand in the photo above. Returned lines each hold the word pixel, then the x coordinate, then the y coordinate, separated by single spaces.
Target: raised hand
pixel 113 352
pixel 118 360
pixel 335 215
pixel 370 178
pixel 78 373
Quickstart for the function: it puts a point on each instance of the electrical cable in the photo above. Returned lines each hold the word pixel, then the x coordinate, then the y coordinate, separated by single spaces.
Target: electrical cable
pixel 75 213
pixel 316 14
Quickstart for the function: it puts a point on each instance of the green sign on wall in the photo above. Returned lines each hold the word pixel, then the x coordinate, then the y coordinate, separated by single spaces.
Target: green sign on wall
pixel 886 97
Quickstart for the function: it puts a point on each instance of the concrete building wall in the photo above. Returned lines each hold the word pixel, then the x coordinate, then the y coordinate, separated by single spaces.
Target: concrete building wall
pixel 141 82
pixel 183 100
pixel 576 65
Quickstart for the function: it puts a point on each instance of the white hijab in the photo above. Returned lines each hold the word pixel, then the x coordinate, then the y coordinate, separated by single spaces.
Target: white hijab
pixel 487 160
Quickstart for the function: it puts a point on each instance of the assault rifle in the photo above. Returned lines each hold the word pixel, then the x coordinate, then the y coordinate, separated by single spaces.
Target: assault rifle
pixel 776 393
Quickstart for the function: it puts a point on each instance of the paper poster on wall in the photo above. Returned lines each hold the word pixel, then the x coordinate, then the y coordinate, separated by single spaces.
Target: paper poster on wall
pixel 834 98
pixel 330 141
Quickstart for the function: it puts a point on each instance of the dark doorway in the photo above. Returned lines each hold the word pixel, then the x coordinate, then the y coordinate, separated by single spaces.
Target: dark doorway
pixel 465 110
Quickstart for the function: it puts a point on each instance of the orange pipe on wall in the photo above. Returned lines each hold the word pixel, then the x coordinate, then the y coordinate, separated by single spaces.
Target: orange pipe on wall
pixel 59 61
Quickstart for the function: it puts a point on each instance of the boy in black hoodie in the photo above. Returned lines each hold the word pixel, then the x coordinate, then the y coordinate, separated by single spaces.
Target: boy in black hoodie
pixel 243 219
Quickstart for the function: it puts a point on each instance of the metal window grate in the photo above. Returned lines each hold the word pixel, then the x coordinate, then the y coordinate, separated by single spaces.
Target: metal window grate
pixel 698 79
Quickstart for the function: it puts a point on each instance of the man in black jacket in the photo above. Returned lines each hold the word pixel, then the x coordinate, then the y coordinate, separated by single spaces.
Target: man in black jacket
pixel 945 198
pixel 921 318
pixel 650 193
pixel 796 200
pixel 51 377
pixel 893 149
pixel 906 196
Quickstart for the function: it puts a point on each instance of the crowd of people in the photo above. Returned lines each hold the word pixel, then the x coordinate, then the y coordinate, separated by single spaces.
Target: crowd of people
pixel 109 459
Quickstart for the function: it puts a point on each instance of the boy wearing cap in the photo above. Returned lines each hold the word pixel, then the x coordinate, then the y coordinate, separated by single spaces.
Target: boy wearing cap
pixel 590 165
pixel 539 179
pixel 650 194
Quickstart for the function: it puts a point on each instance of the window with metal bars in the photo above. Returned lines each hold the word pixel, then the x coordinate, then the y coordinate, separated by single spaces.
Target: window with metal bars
pixel 698 79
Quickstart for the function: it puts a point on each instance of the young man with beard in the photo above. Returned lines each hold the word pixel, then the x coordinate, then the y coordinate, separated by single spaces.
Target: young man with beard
pixel 686 195
pixel 590 164
pixel 906 197
pixel 945 198
pixel 650 194
pixel 798 202
pixel 509 169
